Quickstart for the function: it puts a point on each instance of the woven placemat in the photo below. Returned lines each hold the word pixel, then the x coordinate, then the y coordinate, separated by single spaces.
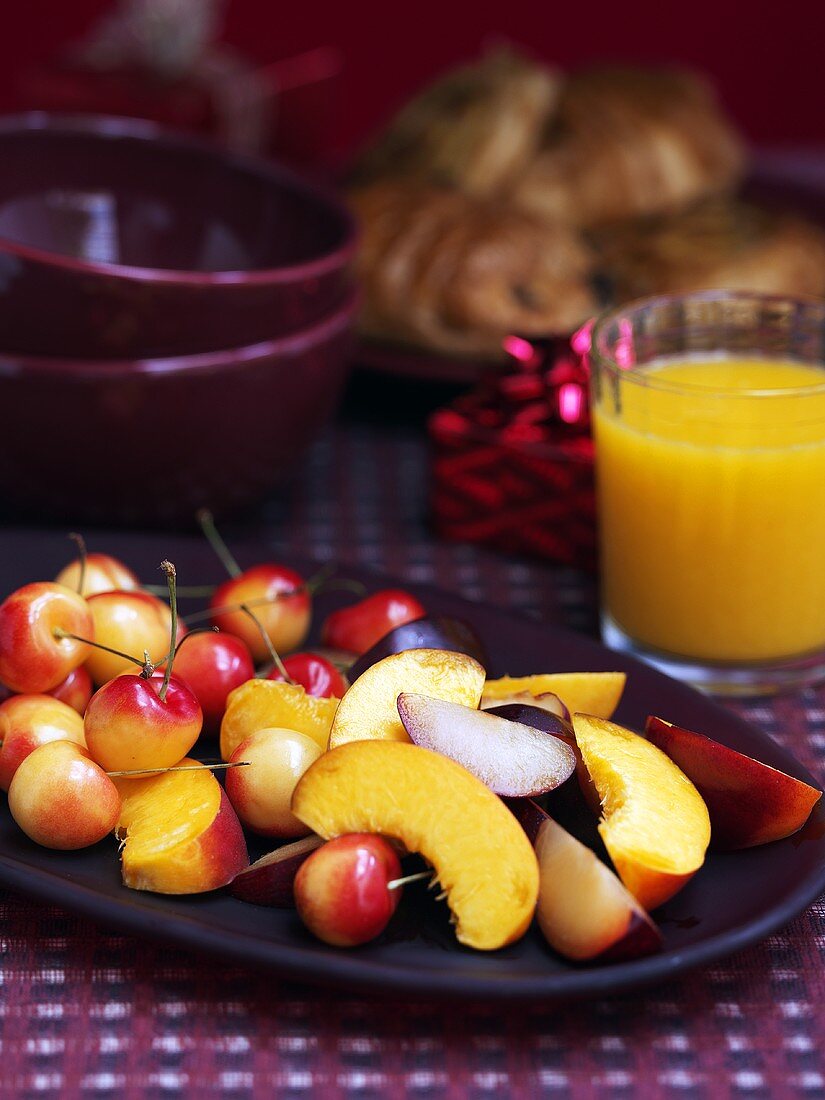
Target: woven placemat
pixel 86 1011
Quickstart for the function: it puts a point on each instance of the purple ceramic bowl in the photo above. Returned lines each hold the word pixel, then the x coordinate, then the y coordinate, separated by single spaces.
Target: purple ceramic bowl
pixel 121 240
pixel 150 441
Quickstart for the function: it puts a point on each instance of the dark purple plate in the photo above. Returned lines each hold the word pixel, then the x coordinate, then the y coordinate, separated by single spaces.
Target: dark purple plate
pixel 736 899
pixel 785 181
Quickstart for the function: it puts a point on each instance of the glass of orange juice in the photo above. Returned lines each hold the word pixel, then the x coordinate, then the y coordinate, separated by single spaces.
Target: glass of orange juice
pixel 709 422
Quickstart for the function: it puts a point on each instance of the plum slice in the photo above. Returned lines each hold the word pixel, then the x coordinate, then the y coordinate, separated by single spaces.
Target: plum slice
pixel 510 758
pixel 269 880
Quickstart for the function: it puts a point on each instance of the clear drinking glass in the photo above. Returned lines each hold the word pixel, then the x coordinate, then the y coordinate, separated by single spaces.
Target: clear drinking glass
pixel 709 421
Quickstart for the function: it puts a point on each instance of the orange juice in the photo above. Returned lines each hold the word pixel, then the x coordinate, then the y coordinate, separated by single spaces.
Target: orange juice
pixel 711 482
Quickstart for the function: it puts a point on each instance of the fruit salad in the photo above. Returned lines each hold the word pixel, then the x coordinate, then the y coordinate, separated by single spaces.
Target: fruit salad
pixel 387 760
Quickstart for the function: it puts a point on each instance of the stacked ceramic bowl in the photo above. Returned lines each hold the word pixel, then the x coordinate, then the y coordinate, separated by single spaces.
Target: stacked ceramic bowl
pixel 174 321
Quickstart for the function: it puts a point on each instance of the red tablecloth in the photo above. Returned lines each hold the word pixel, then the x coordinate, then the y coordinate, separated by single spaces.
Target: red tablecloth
pixel 87 1011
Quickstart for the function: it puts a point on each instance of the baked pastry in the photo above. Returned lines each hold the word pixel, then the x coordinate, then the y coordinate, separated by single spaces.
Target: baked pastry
pixel 454 273
pixel 717 244
pixel 626 142
pixel 476 128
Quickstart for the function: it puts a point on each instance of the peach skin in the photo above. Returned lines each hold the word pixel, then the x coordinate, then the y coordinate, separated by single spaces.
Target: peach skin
pixel 749 803
pixel 655 824
pixel 35 656
pixel 181 834
pixel 62 799
pixel 28 721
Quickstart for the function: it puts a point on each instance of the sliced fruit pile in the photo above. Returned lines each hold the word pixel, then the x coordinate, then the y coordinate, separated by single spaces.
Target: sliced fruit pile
pixel 391 742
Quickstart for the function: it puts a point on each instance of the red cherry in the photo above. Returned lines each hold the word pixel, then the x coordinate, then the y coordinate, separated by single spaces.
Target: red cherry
pixel 212 665
pixel 341 890
pixel 317 675
pixel 359 626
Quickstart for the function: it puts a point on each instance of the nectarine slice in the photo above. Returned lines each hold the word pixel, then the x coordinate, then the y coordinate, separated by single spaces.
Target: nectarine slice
pixel 584 911
pixel 262 704
pixel 654 825
pixel 481 855
pixel 180 831
pixel 596 693
pixel 369 711
pixel 749 802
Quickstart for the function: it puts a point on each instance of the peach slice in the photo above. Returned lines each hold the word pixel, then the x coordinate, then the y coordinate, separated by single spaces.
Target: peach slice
pixel 369 711
pixel 749 803
pixel 596 693
pixel 481 855
pixel 655 824
pixel 269 880
pixel 265 704
pixel 583 911
pixel 180 831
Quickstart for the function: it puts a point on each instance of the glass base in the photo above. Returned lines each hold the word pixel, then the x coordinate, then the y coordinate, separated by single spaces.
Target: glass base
pixel 731 679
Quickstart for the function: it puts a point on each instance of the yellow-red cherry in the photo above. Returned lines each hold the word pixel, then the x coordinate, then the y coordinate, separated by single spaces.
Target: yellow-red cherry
pixel 101 573
pixel 342 890
pixel 36 653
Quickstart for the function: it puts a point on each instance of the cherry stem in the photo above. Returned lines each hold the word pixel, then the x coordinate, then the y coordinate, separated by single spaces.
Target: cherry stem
pixel 344 584
pixel 313 585
pixel 213 537
pixel 80 543
pixel 181 768
pixel 193 590
pixel 171 576
pixel 192 634
pixel 396 882
pixel 145 664
pixel 273 652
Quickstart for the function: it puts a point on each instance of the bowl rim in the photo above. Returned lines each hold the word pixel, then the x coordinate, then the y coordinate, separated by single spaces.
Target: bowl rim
pixel 116 127
pixel 334 324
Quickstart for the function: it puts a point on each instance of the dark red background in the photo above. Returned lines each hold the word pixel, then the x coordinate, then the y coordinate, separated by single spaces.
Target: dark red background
pixel 766 59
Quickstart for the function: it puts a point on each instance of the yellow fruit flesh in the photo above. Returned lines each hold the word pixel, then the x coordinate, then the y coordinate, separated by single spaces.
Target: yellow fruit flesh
pixel 480 853
pixel 655 824
pixel 369 710
pixel 163 818
pixel 261 704
pixel 596 693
